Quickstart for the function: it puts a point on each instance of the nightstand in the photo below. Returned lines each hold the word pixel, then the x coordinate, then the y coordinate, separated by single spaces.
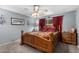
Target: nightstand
pixel 68 37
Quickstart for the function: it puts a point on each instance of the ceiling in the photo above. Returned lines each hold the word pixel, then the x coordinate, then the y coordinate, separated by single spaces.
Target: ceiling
pixel 45 9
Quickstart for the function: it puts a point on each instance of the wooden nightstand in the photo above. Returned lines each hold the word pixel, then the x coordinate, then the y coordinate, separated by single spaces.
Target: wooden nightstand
pixel 68 37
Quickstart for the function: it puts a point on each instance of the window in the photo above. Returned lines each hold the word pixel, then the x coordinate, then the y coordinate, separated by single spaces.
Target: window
pixel 49 21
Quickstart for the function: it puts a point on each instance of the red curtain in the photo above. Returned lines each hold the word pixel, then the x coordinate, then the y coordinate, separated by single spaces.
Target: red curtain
pixel 60 18
pixel 57 23
pixel 41 23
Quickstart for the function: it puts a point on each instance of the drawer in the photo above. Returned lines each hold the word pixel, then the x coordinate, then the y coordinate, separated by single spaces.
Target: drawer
pixel 67 36
pixel 66 33
pixel 73 40
pixel 67 39
pixel 73 35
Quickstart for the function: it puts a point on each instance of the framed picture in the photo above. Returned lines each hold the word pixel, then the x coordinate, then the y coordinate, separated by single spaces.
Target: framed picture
pixel 16 21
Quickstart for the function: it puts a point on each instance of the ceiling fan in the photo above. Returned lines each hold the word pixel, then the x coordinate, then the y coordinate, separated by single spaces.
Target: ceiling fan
pixel 37 12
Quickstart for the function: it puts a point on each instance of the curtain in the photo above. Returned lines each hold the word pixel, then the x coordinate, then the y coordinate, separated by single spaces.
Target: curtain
pixel 41 23
pixel 60 18
pixel 55 23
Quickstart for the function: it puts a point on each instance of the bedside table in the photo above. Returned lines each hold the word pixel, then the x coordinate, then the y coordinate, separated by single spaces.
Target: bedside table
pixel 68 37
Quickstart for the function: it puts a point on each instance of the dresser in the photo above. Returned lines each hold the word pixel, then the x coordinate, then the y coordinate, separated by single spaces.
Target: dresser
pixel 68 37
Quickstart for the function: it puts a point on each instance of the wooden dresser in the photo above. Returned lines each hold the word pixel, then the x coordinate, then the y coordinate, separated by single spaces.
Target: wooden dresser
pixel 68 37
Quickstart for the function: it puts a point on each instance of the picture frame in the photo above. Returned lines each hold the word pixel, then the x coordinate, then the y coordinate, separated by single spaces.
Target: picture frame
pixel 17 21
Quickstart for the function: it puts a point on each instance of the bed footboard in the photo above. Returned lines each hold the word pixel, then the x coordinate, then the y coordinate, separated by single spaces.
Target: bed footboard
pixel 37 42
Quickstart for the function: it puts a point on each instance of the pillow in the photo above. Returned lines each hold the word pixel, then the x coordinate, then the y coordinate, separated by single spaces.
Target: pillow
pixel 48 29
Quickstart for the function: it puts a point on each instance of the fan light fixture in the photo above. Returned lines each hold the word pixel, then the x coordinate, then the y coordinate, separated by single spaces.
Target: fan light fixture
pixel 36 8
pixel 35 11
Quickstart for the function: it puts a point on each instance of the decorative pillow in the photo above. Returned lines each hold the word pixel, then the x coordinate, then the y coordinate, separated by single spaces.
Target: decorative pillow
pixel 48 28
pixel 44 29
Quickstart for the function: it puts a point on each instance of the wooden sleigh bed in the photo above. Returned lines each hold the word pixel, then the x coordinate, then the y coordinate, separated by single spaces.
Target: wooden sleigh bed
pixel 44 41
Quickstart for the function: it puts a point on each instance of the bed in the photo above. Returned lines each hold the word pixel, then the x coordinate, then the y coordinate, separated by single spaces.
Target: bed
pixel 43 41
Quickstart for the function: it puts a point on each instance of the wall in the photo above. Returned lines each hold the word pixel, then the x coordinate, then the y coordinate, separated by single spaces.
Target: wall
pixel 31 22
pixel 77 24
pixel 10 32
pixel 69 20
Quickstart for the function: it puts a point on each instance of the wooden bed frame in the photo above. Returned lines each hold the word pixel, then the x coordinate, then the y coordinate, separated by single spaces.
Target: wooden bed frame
pixel 37 42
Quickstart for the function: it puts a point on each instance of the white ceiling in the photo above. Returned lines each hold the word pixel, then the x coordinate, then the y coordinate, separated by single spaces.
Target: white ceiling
pixel 46 9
